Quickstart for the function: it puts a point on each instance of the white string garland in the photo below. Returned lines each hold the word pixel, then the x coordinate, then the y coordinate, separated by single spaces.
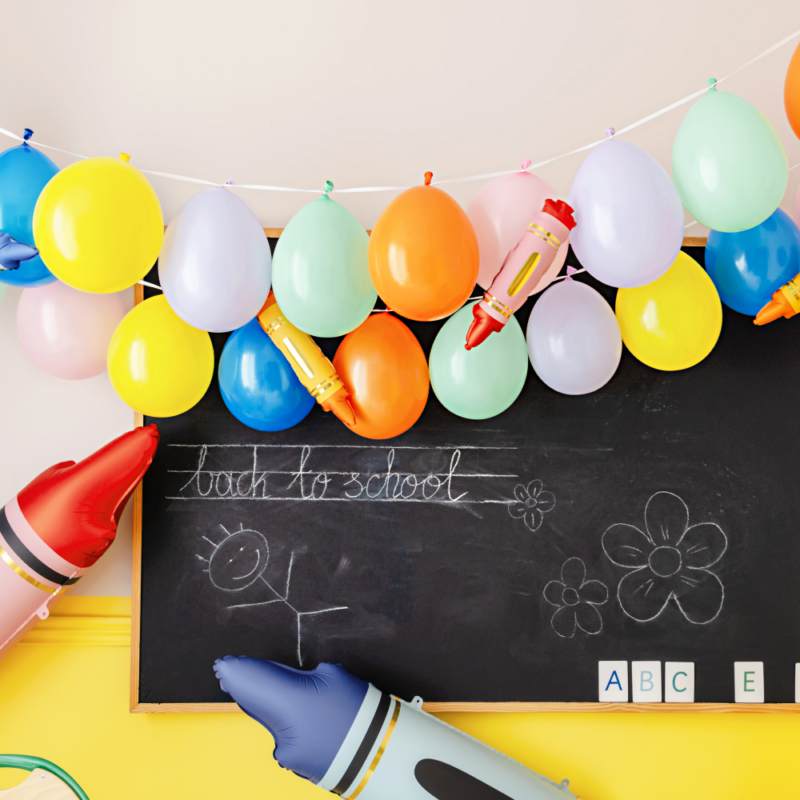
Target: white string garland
pixel 484 176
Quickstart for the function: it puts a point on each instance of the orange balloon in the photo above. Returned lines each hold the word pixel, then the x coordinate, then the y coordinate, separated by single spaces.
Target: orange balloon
pixel 791 92
pixel 423 254
pixel 385 371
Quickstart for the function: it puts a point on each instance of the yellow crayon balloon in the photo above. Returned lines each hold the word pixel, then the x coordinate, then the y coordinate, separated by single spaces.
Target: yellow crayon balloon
pixel 159 364
pixel 98 225
pixel 674 322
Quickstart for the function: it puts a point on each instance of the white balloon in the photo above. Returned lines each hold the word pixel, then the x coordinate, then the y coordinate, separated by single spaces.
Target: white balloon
pixel 574 341
pixel 629 216
pixel 215 265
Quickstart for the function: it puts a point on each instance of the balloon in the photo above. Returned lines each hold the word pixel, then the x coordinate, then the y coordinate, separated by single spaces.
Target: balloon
pixel 24 172
pixel 383 367
pixel 630 220
pixel 98 225
pixel 574 341
pixel 728 163
pixel 423 254
pixel 500 213
pixel 674 322
pixel 749 266
pixel 2 290
pixel 66 332
pixel 791 92
pixel 257 384
pixel 321 274
pixel 215 264
pixel 482 382
pixel 157 363
pixel 797 206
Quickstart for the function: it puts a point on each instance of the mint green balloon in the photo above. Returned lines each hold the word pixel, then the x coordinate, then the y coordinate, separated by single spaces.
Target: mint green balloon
pixel 728 163
pixel 482 382
pixel 320 272
pixel 2 290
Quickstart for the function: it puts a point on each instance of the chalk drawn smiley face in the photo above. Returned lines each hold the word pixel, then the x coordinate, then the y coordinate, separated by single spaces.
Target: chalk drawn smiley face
pixel 239 560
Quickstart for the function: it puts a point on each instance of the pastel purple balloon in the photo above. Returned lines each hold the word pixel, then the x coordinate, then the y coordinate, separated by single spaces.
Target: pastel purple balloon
pixel 629 216
pixel 500 212
pixel 574 341
pixel 215 264
pixel 66 332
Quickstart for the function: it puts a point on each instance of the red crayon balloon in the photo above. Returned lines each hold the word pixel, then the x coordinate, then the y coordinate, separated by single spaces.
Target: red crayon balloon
pixel 60 524
pixel 384 369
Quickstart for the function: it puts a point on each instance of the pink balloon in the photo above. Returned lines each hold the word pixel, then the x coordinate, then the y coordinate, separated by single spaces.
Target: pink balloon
pixel 66 332
pixel 500 212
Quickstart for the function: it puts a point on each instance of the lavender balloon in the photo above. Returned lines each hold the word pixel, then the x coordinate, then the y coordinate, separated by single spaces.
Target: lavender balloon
pixel 629 215
pixel 574 341
pixel 215 265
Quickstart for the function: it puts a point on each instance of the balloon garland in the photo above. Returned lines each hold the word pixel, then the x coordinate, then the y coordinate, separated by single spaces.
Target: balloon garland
pixel 74 238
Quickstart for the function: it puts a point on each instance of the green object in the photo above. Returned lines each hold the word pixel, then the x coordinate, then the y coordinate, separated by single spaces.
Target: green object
pixel 30 763
pixel 728 163
pixel 2 290
pixel 320 272
pixel 482 382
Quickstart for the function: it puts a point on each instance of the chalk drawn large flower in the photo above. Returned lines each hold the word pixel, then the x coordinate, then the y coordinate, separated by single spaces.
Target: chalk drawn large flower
pixel 576 600
pixel 531 503
pixel 668 560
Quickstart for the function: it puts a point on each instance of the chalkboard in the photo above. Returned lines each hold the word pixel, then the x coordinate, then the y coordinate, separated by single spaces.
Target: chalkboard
pixel 442 563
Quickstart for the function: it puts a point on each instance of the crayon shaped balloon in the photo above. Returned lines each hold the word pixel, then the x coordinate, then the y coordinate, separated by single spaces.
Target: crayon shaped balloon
pixel 60 524
pixel 353 740
pixel 526 270
pixel 309 363
pixel 785 303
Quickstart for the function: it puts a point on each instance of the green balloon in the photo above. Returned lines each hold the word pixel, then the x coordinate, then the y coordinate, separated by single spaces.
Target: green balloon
pixel 482 382
pixel 2 290
pixel 728 163
pixel 320 272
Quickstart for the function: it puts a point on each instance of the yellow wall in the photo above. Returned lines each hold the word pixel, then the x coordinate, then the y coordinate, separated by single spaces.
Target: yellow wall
pixel 64 696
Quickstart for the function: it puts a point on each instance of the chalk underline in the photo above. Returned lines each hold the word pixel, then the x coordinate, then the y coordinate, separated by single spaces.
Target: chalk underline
pixel 349 500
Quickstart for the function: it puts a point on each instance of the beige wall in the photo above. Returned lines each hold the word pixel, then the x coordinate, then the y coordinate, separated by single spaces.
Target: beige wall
pixel 361 93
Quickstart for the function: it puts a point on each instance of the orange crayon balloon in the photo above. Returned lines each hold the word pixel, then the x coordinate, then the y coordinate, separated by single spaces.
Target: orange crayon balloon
pixel 791 92
pixel 423 254
pixel 385 371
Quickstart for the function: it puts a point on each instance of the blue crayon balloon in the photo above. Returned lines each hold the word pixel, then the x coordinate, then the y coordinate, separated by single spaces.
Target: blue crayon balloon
pixel 353 740
pixel 257 383
pixel 24 172
pixel 749 266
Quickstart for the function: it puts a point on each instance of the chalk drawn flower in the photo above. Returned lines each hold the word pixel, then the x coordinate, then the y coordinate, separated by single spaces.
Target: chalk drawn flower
pixel 576 600
pixel 668 560
pixel 531 504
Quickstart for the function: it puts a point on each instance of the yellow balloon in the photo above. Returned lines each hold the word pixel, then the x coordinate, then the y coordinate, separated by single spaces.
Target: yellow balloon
pixel 674 322
pixel 98 225
pixel 157 363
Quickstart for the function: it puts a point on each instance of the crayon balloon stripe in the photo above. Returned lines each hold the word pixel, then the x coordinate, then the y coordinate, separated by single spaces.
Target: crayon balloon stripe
pixel 366 745
pixel 379 755
pixel 27 557
pixel 24 575
pixel 446 782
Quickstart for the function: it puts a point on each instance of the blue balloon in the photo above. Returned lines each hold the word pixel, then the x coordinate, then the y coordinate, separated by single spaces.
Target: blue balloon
pixel 749 266
pixel 24 172
pixel 257 383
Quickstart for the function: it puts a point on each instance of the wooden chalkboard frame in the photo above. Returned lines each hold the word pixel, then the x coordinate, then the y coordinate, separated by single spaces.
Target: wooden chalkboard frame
pixel 205 708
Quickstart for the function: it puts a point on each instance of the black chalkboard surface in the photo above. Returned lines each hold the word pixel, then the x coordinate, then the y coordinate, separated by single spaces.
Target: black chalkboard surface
pixel 422 563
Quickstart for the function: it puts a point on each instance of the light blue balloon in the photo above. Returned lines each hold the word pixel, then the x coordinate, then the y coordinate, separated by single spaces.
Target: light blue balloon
pixel 749 266
pixel 320 272
pixel 482 382
pixel 257 384
pixel 24 172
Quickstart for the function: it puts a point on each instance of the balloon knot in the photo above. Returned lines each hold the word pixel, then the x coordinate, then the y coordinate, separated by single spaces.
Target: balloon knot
pixel 27 134
pixel 712 84
pixel 229 182
pixel 328 187
pixel 570 272
pixel 125 157
pixel 525 164
pixel 428 177
pixel 610 131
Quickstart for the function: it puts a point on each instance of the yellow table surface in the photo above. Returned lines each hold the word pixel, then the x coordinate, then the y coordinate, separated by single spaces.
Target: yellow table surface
pixel 65 698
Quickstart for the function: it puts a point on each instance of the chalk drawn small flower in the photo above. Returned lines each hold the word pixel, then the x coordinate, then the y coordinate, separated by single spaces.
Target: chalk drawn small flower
pixel 576 600
pixel 668 560
pixel 531 504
